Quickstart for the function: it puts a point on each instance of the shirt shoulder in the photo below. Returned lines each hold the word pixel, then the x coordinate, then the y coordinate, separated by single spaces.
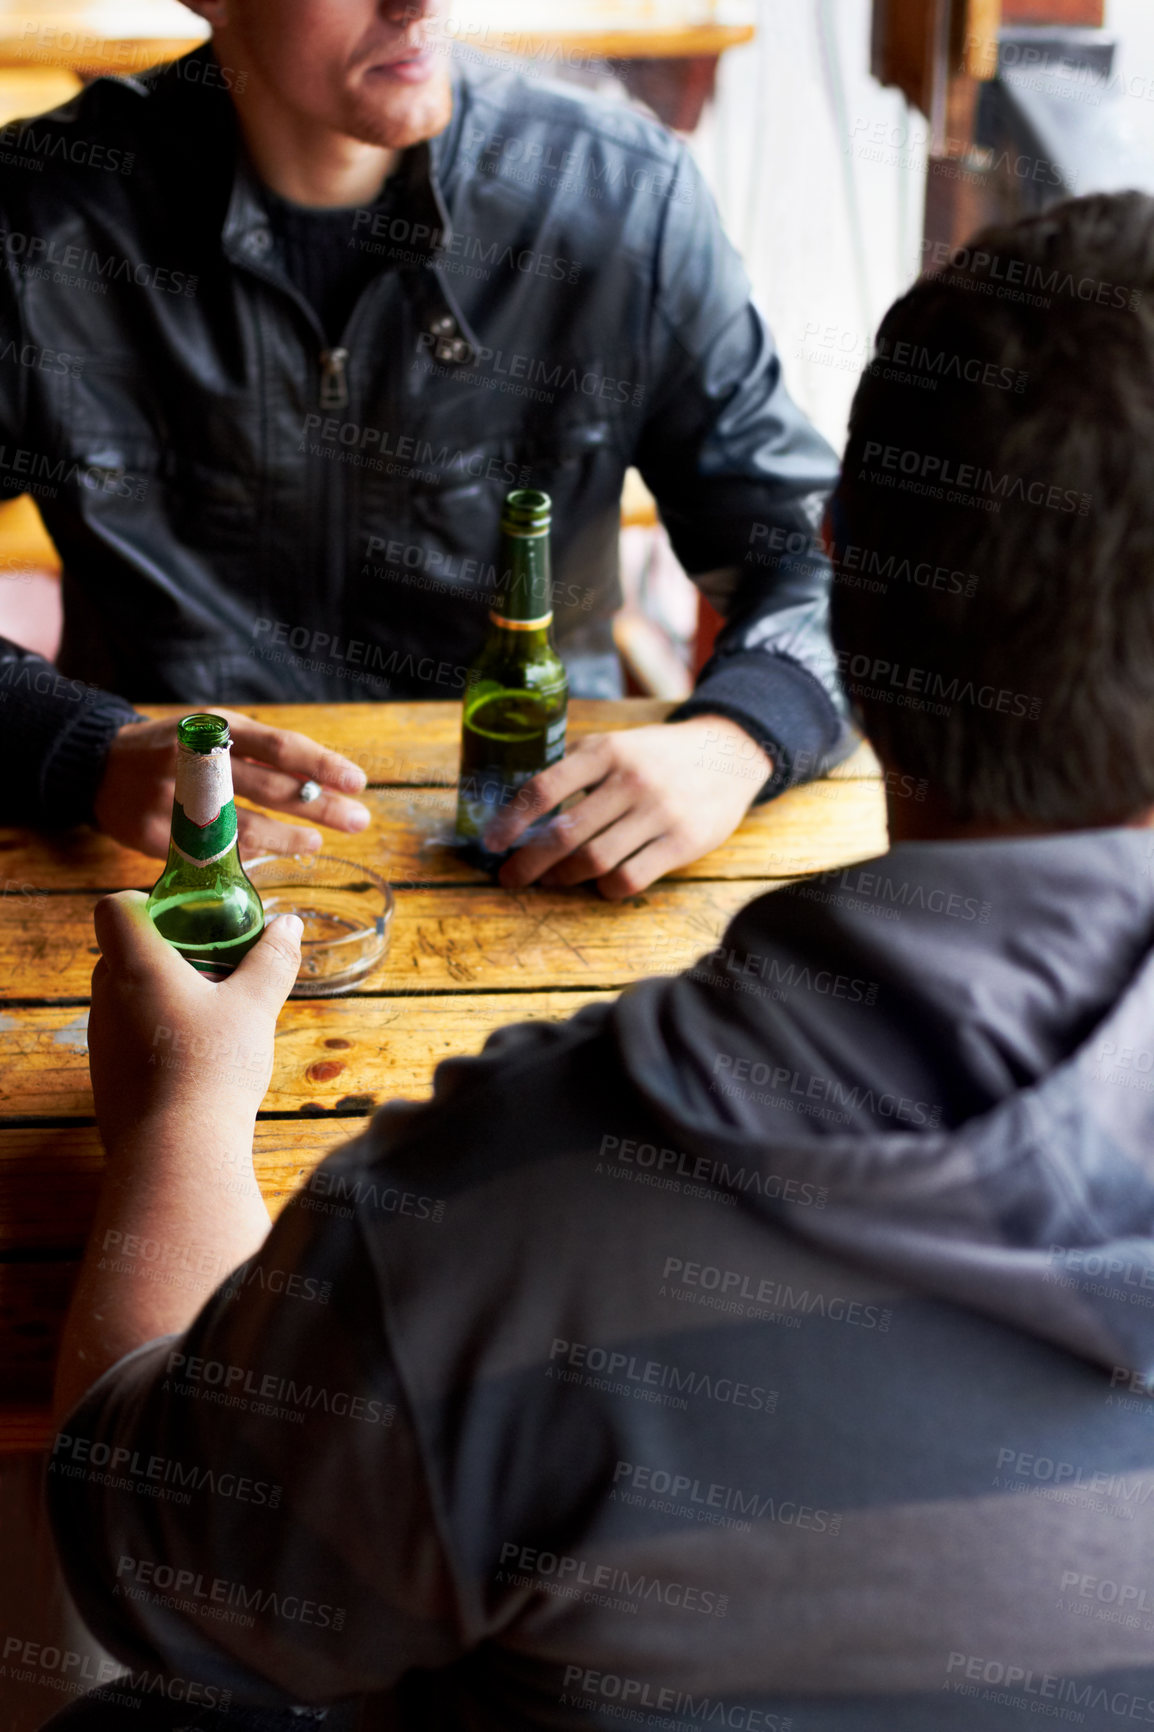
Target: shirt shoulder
pixel 120 137
pixel 492 94
pixel 525 153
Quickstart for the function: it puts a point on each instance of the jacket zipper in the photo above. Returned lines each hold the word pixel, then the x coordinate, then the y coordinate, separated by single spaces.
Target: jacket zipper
pixel 334 379
pixel 333 394
pixel 292 293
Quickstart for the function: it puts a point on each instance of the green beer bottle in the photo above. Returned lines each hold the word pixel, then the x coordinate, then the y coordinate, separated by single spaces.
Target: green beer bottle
pixel 517 694
pixel 202 902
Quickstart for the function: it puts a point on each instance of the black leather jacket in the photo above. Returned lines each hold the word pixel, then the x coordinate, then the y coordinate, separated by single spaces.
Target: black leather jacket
pixel 245 513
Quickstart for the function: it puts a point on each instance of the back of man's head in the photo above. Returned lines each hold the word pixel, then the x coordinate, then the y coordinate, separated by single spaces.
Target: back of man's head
pixel 994 604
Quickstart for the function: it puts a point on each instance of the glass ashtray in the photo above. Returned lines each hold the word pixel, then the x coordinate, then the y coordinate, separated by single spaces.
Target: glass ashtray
pixel 346 909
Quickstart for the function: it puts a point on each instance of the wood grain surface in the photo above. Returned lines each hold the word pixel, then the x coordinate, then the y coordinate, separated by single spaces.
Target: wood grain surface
pixel 442 939
pixel 49 1178
pixel 810 829
pixel 465 958
pixel 335 1055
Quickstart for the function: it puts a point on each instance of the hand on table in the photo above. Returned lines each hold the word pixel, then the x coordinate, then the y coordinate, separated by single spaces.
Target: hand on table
pixel 165 1042
pixel 134 800
pixel 657 798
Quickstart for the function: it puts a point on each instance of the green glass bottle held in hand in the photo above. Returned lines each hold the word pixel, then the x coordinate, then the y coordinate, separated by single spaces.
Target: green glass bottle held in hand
pixel 517 696
pixel 203 902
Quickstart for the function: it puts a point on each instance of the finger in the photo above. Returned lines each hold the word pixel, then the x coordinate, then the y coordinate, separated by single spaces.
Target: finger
pixel 155 837
pixel 156 740
pixel 567 832
pixel 268 971
pixel 640 870
pixel 584 768
pixel 272 788
pixel 295 754
pixel 129 942
pixel 604 852
pixel 261 835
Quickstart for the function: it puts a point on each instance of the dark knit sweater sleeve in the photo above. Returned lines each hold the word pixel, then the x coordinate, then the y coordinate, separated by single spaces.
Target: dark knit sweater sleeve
pixel 55 734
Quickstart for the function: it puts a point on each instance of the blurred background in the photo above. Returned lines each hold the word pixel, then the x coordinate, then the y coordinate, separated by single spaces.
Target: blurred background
pixel 844 140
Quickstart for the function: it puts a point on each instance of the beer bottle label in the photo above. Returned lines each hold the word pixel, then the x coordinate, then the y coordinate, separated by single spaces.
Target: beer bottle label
pixel 203 812
pixel 488 789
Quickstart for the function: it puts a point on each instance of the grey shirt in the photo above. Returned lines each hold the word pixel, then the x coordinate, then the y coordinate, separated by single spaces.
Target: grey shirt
pixel 767 1349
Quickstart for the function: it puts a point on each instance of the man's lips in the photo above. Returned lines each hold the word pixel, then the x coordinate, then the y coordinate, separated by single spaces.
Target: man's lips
pixel 411 66
pixel 411 52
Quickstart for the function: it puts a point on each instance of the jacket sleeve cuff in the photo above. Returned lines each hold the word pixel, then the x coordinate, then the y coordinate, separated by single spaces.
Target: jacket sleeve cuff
pixel 782 706
pixel 75 751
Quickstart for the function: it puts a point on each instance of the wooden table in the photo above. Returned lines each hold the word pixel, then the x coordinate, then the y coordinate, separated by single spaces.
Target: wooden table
pixel 465 957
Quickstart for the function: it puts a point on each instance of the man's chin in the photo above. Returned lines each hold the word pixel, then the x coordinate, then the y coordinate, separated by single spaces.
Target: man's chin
pixel 395 120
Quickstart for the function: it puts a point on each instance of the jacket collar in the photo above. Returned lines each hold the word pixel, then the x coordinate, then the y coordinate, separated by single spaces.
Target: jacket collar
pixel 247 239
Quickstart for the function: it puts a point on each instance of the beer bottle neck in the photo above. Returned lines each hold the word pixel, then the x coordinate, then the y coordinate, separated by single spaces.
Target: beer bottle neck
pixel 525 601
pixel 203 809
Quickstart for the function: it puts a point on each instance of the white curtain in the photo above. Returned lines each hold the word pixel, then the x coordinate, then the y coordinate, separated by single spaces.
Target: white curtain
pixel 820 174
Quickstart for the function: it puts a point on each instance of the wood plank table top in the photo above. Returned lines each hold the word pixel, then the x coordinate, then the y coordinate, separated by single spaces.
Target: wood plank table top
pixel 465 957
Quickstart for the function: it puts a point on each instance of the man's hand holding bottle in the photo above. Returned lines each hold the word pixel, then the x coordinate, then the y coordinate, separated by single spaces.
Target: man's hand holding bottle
pixel 655 798
pixel 171 1051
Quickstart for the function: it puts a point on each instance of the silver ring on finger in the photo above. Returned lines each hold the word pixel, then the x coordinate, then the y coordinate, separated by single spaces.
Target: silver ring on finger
pixel 308 792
